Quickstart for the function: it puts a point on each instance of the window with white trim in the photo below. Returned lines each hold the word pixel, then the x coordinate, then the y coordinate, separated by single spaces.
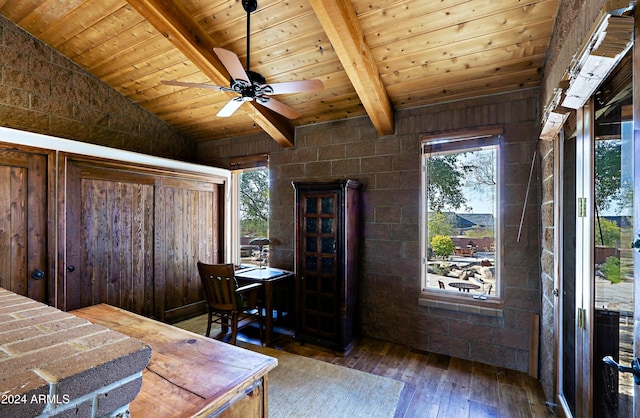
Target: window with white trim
pixel 460 214
pixel 250 203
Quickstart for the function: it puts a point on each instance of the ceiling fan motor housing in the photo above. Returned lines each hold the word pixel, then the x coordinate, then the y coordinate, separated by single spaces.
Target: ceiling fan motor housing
pixel 255 87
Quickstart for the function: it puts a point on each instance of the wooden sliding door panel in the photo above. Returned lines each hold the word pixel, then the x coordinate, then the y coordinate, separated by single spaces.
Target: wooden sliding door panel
pixel 190 234
pixel 134 236
pixel 110 244
pixel 117 250
pixel 23 223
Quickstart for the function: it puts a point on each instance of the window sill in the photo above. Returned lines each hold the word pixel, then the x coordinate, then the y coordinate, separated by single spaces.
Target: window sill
pixel 488 307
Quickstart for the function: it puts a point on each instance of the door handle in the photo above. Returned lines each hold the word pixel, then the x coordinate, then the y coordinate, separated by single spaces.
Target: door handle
pixel 636 243
pixel 70 269
pixel 635 367
pixel 37 274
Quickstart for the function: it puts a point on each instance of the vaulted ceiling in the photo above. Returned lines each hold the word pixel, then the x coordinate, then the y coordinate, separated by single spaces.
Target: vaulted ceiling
pixel 373 56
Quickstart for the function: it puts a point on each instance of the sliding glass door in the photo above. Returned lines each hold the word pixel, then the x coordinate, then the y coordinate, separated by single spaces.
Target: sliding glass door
pixel 613 225
pixel 598 266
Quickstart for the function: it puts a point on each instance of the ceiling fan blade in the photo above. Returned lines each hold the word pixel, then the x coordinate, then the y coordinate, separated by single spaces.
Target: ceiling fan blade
pixel 279 107
pixel 296 86
pixel 186 84
pixel 232 63
pixel 231 106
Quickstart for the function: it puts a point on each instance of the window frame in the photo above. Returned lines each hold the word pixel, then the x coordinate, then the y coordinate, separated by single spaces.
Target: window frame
pixel 460 140
pixel 240 165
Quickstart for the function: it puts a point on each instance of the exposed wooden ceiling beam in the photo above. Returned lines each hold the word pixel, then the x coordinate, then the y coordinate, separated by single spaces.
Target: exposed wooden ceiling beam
pixel 339 21
pixel 170 19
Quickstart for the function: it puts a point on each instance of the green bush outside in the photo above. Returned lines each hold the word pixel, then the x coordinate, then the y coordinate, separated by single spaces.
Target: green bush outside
pixel 442 246
pixel 611 269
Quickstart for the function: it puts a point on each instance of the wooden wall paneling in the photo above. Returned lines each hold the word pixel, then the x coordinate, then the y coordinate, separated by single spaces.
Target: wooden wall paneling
pixel 172 259
pixel 5 217
pixel 160 249
pixel 18 221
pixel 13 225
pixel 37 226
pixel 53 223
pixel 23 222
pixel 205 239
pixel 92 248
pixel 68 289
pixel 144 221
pixel 201 210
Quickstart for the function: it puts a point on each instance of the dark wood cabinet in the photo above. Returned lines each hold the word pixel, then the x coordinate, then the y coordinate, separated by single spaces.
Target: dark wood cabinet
pixel 327 250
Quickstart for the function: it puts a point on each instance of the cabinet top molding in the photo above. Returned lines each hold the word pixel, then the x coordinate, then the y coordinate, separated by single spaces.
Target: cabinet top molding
pixel 355 184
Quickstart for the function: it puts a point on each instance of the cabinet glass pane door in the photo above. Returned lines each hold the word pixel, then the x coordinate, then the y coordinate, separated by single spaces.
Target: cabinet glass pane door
pixel 319 285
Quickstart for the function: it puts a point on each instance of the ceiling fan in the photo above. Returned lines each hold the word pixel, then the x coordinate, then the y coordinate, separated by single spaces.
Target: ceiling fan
pixel 251 85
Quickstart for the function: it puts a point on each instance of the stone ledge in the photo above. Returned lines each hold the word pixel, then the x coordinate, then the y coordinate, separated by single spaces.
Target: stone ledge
pixel 476 309
pixel 52 362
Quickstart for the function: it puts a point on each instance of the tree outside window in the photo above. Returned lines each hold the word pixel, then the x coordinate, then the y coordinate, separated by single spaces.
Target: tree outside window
pixel 254 213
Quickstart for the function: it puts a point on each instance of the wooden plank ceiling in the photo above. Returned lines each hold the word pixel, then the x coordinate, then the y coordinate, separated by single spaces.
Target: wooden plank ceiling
pixel 373 56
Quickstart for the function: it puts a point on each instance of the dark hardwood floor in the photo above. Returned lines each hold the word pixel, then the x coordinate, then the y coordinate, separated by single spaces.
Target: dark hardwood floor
pixel 436 385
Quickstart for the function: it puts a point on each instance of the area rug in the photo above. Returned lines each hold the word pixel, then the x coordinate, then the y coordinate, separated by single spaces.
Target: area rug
pixel 304 387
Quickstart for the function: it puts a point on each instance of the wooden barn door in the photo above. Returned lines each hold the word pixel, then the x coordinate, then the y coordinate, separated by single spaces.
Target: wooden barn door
pixel 190 215
pixel 109 243
pixel 23 223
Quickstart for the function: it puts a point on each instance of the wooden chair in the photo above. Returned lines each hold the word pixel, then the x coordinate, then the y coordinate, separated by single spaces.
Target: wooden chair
pixel 226 300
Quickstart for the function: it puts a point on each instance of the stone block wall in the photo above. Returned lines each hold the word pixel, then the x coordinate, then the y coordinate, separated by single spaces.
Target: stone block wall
pixel 42 91
pixel 54 364
pixel 389 168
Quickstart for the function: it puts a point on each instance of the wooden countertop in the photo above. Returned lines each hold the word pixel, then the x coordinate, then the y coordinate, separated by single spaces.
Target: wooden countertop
pixel 189 374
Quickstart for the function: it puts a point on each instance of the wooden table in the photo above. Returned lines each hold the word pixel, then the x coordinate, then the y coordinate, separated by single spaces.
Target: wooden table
pixel 271 278
pixel 464 286
pixel 190 375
